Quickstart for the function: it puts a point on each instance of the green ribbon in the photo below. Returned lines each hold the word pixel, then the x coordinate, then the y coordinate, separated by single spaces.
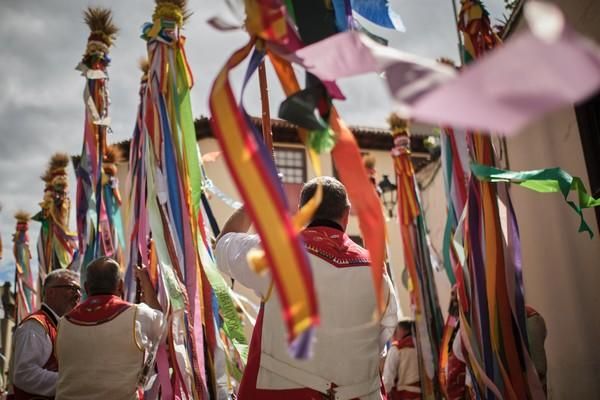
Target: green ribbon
pixel 550 180
pixel 183 106
pixel 232 324
pixel 322 141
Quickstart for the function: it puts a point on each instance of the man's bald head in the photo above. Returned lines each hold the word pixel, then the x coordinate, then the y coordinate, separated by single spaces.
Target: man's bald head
pixel 103 276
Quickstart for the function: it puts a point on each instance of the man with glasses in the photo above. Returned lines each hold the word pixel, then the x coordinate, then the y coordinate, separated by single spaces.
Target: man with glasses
pixel 35 368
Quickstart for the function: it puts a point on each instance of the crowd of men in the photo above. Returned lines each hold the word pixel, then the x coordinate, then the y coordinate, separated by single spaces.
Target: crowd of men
pixel 96 349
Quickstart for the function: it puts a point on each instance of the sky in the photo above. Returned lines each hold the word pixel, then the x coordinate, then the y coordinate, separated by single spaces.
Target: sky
pixel 41 94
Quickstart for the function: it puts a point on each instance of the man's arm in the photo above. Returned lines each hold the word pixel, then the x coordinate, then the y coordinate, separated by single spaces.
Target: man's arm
pixel 389 321
pixel 231 251
pixel 238 222
pixel 390 369
pixel 148 326
pixel 148 293
pixel 32 349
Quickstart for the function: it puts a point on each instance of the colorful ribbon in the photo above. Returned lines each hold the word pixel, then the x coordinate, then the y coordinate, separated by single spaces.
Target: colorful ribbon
pixel 255 176
pixel 488 274
pixel 549 180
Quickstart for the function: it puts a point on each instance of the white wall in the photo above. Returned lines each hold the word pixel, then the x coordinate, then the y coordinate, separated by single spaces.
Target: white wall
pixel 561 267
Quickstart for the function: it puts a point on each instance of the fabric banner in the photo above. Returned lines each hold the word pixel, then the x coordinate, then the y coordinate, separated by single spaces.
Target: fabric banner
pixel 549 180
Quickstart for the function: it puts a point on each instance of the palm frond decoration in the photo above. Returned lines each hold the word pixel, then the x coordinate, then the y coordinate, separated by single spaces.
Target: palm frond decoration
pixel 397 123
pixel 22 216
pixel 101 25
pixel 173 9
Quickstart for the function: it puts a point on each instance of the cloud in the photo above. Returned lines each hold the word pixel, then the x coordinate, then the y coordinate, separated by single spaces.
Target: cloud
pixel 41 106
pixel 7 272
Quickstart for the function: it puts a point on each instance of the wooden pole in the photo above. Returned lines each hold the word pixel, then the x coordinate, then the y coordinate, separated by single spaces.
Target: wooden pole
pixel 264 102
pixel 460 44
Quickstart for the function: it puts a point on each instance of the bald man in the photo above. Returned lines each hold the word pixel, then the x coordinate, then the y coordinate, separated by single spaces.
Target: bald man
pixel 101 344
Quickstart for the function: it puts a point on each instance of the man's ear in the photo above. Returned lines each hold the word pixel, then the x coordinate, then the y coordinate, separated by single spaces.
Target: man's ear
pixel 345 217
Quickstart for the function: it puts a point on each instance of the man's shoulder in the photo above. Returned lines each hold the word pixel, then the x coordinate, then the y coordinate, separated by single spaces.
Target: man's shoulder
pixel 144 310
pixel 239 237
pixel 31 325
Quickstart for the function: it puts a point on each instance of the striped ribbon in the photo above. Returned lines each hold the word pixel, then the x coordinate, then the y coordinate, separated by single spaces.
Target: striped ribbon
pixel 254 173
pixel 349 164
pixel 455 168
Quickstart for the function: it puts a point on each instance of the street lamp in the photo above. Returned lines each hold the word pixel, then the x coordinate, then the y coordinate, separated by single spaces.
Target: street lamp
pixel 388 194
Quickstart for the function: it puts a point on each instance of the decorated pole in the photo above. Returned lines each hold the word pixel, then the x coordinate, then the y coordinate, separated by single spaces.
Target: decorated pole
pixel 93 224
pixel 264 103
pixel 486 266
pixel 169 232
pixel 25 292
pixel 56 245
pixel 422 288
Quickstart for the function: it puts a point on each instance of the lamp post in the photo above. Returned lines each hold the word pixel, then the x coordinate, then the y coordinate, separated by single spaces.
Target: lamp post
pixel 389 195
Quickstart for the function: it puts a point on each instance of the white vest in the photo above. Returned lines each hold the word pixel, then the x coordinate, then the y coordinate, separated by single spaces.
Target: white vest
pixel 99 362
pixel 346 348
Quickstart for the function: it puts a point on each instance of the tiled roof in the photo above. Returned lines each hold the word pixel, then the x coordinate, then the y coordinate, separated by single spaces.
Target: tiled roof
pixel 368 138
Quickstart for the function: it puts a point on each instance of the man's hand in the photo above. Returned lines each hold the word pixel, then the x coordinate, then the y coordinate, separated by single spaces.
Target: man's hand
pixel 148 294
pixel 238 222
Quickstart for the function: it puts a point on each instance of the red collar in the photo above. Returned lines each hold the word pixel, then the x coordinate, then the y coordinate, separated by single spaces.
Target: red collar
pixel 97 310
pixel 335 247
pixel 405 342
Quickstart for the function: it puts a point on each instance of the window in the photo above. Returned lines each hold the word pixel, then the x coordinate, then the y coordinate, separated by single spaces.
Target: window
pixel 291 163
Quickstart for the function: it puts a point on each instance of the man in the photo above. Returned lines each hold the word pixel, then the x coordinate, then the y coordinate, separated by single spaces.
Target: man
pixel 101 343
pixel 35 368
pixel 452 370
pixel 348 341
pixel 401 369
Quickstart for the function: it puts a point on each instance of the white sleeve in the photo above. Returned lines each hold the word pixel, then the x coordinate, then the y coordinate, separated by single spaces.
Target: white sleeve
pixel 389 321
pixel 148 326
pixel 231 254
pixel 32 350
pixel 390 368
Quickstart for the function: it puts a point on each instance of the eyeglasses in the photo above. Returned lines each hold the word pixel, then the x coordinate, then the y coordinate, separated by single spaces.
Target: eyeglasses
pixel 73 288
